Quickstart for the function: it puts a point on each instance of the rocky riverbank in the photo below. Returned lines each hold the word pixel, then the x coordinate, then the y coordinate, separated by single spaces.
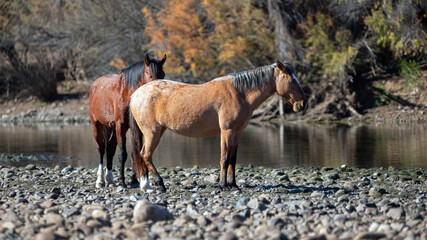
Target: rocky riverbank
pixel 282 203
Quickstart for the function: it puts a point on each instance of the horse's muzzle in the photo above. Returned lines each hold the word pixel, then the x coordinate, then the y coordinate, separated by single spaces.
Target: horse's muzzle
pixel 300 106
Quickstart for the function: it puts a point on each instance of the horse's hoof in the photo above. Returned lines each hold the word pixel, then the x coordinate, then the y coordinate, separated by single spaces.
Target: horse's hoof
pixel 147 189
pixel 99 184
pixel 122 184
pixel 235 189
pixel 109 178
pixel 134 181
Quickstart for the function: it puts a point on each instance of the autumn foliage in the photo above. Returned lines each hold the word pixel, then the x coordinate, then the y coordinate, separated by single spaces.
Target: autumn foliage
pixel 210 38
pixel 339 43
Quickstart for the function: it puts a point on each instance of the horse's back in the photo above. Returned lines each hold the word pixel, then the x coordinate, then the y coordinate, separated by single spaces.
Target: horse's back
pixel 106 81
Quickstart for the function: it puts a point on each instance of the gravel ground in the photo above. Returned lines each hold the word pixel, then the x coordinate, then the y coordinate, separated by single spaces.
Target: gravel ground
pixel 274 203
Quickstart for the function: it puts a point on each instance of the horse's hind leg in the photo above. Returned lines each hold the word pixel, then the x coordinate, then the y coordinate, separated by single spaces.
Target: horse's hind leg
pixel 111 150
pixel 151 140
pixel 121 139
pixel 99 138
pixel 140 171
pixel 138 165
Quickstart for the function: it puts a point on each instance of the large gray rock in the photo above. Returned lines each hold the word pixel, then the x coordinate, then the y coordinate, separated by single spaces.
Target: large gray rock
pixel 145 210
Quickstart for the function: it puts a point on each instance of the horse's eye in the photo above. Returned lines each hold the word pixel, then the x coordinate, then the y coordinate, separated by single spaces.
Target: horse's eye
pixel 151 76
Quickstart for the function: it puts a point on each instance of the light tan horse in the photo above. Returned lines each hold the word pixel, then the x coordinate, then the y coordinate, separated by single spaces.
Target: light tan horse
pixel 222 106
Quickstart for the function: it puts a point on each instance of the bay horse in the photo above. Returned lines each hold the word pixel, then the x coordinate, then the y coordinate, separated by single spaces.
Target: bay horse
pixel 222 107
pixel 109 112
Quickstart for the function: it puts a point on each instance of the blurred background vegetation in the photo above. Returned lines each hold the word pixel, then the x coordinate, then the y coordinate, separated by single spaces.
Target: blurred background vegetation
pixel 338 46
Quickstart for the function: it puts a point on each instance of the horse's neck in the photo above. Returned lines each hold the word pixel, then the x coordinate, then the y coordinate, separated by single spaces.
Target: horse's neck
pixel 257 96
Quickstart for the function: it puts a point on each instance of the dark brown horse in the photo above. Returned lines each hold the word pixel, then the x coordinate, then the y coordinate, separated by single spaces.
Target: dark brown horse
pixel 222 106
pixel 109 111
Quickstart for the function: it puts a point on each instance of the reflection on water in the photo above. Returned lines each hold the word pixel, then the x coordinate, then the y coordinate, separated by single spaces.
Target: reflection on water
pixel 274 146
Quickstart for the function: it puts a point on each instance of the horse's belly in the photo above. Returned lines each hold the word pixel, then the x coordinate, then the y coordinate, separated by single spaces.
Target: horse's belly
pixel 194 126
pixel 196 133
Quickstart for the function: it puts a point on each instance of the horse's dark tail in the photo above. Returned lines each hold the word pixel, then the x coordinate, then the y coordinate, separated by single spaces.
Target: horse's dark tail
pixel 138 164
pixel 108 134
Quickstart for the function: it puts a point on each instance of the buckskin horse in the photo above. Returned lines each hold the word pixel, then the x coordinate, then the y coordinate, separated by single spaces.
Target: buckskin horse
pixel 222 106
pixel 109 112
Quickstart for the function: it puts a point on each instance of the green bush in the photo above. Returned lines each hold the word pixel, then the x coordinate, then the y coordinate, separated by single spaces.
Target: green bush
pixel 411 71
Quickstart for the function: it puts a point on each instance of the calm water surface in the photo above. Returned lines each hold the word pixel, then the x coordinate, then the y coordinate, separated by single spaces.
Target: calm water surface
pixel 273 146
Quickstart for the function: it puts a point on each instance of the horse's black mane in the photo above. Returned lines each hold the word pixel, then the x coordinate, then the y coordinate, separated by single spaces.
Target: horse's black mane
pixel 134 72
pixel 257 77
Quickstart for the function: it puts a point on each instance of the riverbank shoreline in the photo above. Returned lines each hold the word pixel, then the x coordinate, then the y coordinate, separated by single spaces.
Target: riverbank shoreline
pixel 274 203
pixel 73 107
pixel 58 116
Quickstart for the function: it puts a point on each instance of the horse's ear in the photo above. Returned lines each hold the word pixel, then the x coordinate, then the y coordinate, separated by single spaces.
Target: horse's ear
pixel 281 66
pixel 147 59
pixel 163 60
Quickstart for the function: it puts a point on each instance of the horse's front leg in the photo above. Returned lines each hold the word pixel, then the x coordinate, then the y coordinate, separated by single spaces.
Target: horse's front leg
pixel 231 176
pixel 227 137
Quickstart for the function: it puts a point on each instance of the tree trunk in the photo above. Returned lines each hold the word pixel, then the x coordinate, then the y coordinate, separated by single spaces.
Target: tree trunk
pixel 287 46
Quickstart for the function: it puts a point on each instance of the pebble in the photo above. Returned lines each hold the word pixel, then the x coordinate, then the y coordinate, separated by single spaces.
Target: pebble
pixel 203 221
pixel 72 212
pixel 228 236
pixel 242 203
pixel 145 210
pixel 189 183
pixel 370 236
pixel 256 205
pixel 374 227
pixel 316 194
pixel 46 236
pixel 212 179
pixel 276 222
pixel 396 213
pixel 383 202
pixel 30 167
pixel 67 169
pixel 56 205
pixel 53 218
pixel 100 214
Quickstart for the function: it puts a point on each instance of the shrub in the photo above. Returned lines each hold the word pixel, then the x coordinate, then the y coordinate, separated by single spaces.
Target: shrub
pixel 332 57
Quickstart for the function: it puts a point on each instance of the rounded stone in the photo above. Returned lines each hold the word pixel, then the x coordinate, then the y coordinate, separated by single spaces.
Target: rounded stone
pixel 145 210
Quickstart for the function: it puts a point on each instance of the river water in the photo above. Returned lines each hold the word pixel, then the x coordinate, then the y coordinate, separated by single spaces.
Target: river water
pixel 261 145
